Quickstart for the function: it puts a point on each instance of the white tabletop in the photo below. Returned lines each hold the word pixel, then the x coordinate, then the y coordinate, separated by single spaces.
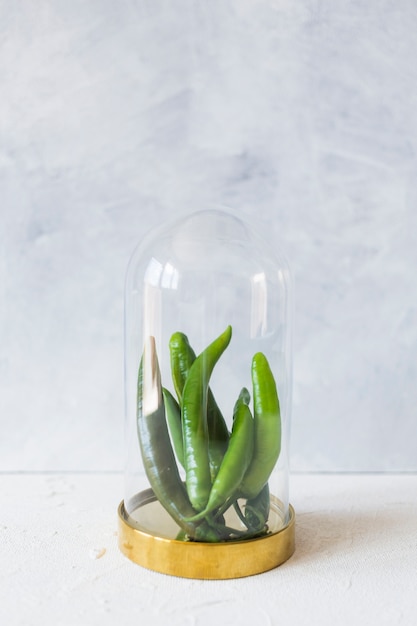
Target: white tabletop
pixel 355 559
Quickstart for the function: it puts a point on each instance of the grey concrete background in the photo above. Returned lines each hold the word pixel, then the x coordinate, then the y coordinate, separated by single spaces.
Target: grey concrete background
pixel 117 116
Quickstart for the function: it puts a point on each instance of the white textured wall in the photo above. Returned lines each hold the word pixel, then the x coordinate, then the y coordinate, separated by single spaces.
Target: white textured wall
pixel 115 116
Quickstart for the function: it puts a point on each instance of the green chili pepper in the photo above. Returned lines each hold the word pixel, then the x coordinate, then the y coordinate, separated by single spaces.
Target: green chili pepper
pixel 267 428
pixel 235 461
pixel 218 434
pixel 194 421
pixel 158 458
pixel 244 398
pixel 173 413
pixel 257 510
pixel 182 358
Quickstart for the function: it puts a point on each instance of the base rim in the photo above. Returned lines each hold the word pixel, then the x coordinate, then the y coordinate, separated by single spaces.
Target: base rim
pixel 208 561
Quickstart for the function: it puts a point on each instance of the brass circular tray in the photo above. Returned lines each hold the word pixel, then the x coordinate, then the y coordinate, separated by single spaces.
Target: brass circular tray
pixel 156 548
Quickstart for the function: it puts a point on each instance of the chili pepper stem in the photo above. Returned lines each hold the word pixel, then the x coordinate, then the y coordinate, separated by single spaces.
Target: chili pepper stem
pixel 239 513
pixel 225 506
pixel 198 517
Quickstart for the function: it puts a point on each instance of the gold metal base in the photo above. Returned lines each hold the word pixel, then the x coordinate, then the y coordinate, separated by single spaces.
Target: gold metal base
pixel 192 559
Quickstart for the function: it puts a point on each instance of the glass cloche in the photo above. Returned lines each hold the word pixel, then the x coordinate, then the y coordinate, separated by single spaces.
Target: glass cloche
pixel 208 399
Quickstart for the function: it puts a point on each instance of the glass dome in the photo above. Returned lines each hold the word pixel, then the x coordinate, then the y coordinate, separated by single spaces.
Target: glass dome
pixel 208 383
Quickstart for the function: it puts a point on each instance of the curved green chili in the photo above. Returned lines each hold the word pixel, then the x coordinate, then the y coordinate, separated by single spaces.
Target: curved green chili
pixel 236 460
pixel 194 421
pixel 182 357
pixel 173 413
pixel 267 428
pixel 218 434
pixel 158 458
